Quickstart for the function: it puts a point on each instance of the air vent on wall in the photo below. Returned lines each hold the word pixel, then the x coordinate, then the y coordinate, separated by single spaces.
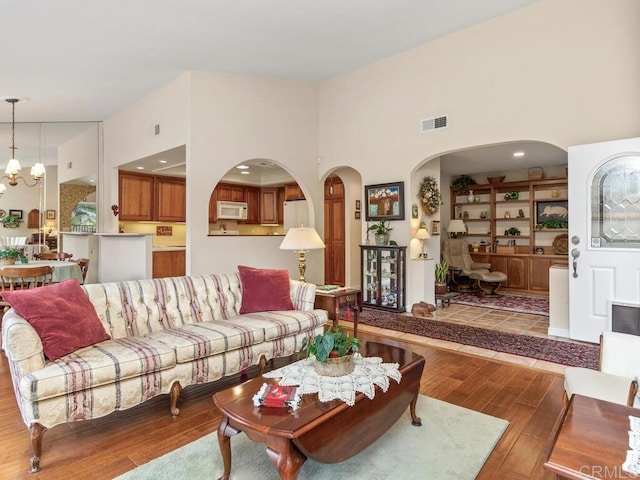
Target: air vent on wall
pixel 434 123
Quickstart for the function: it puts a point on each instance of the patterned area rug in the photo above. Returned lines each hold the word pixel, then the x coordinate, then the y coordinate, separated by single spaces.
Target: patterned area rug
pixel 565 353
pixel 508 302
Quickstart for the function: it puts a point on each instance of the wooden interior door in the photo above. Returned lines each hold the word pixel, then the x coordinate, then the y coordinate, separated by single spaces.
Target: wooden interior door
pixel 334 231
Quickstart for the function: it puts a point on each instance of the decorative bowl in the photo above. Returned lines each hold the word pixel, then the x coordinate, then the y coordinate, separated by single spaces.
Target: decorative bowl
pixel 495 179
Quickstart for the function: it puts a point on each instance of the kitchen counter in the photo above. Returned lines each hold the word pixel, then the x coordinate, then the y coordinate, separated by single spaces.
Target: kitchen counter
pixel 169 248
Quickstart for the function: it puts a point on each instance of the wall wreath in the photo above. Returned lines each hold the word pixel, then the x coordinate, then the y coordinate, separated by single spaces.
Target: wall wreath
pixel 429 196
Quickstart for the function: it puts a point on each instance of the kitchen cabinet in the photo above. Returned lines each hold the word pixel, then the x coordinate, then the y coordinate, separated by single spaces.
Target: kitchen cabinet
pixel 383 277
pixel 169 263
pixel 269 206
pixel 252 196
pixel 292 191
pixel 136 196
pixel 171 195
pixel 281 205
pixel 230 193
pixel 145 197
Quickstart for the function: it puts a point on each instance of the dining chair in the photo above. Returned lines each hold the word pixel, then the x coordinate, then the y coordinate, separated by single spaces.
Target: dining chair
pixel 83 263
pixel 20 278
pixel 59 256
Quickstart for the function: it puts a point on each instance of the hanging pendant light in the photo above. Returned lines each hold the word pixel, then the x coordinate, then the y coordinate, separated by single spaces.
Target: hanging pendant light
pixel 13 165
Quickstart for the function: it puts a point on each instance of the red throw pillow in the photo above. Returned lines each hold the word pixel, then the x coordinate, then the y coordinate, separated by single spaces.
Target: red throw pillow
pixel 62 314
pixel 264 290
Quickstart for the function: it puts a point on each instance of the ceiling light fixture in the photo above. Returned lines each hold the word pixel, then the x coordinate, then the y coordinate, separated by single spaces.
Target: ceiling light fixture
pixel 13 166
pixel 242 167
pixel 162 161
pixel 518 154
pixel 245 172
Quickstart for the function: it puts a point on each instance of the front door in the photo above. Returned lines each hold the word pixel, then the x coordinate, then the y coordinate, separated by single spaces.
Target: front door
pixel 604 233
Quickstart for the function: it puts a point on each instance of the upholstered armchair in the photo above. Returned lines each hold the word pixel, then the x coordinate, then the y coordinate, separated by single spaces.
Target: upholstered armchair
pixel 616 380
pixel 456 254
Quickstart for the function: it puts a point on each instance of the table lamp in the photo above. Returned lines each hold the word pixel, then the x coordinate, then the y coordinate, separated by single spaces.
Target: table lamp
pixel 301 239
pixel 422 234
pixel 456 227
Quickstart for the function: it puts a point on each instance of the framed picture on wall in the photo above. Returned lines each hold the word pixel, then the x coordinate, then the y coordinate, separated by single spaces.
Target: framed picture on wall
pixel 384 201
pixel 16 213
pixel 357 212
pixel 435 227
pixel 51 214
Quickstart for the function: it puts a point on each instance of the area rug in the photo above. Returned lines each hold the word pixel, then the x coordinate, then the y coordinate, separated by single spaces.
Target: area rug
pixel 565 353
pixel 453 443
pixel 508 302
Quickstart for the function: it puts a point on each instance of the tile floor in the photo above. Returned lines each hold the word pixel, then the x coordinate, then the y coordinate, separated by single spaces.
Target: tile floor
pixel 521 323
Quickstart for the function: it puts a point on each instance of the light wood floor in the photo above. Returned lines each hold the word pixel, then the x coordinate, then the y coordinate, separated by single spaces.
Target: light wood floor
pixel 528 397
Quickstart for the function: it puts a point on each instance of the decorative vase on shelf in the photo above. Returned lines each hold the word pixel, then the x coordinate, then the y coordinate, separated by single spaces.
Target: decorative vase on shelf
pixel 470 197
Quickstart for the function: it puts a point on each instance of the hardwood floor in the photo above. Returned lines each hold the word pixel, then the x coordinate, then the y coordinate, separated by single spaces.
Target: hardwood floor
pixel 529 398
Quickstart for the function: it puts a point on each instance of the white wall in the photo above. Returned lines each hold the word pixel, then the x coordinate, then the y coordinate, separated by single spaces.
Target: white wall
pixel 564 72
pixel 235 118
pixel 82 152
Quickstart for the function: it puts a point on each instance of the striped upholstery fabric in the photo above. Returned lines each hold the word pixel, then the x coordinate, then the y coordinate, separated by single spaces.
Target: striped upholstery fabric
pixel 163 331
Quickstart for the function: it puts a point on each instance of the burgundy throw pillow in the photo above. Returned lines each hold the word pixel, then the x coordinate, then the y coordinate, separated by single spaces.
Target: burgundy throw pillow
pixel 264 290
pixel 62 314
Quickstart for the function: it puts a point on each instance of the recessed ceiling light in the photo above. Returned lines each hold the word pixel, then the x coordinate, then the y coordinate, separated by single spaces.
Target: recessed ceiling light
pixel 518 154
pixel 162 161
pixel 140 168
pixel 244 173
pixel 242 167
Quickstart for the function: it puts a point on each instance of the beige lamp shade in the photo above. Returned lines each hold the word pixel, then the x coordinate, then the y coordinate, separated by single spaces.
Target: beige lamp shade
pixel 422 234
pixel 457 226
pixel 302 239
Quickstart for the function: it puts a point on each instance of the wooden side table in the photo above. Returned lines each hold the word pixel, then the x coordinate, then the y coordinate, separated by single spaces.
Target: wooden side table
pixel 445 298
pixel 592 441
pixel 334 300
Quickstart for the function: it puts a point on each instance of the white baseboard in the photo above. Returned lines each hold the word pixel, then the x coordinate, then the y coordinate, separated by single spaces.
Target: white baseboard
pixel 558 332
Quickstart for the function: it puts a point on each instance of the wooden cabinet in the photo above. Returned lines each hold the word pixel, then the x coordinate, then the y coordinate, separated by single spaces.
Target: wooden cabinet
pixel 152 198
pixel 292 191
pixel 526 273
pixel 171 194
pixel 280 205
pixel 269 206
pixel 230 193
pixel 136 196
pixel 169 264
pixel 334 231
pixel 252 197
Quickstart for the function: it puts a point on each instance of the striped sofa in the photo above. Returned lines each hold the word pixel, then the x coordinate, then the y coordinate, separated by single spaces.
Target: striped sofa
pixel 166 334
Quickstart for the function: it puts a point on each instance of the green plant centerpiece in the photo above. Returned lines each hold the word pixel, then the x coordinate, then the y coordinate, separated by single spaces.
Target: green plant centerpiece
pixel 381 231
pixel 9 256
pixel 441 274
pixel 333 351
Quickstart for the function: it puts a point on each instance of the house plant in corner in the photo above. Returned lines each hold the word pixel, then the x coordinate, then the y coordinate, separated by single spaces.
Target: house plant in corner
pixel 442 271
pixel 333 351
pixel 9 256
pixel 381 231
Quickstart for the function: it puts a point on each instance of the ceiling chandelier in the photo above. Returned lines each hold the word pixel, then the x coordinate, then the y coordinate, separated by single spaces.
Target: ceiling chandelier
pixel 13 166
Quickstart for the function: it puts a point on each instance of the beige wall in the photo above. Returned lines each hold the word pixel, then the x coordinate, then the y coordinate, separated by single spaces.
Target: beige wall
pixel 561 71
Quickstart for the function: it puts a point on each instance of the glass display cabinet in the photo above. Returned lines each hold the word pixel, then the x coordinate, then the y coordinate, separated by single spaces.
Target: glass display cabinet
pixel 383 277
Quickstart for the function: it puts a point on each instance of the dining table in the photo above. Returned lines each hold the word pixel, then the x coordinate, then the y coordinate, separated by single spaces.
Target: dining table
pixel 61 270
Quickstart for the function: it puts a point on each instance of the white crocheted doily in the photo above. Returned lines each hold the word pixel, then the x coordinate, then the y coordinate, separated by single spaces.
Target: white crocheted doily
pixel 368 372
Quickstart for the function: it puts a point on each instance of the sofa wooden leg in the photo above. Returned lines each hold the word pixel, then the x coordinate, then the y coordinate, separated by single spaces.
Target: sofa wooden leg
pixel 176 388
pixel 262 363
pixel 36 431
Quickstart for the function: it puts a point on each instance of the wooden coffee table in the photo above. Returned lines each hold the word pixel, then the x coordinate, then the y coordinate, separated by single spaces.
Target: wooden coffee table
pixel 328 432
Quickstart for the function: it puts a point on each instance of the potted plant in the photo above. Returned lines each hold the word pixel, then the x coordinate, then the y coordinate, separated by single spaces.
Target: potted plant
pixel 462 182
pixel 381 231
pixel 442 272
pixel 332 350
pixel 10 221
pixel 9 256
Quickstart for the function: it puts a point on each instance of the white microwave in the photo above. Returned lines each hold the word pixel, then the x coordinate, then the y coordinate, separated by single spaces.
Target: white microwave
pixel 232 210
